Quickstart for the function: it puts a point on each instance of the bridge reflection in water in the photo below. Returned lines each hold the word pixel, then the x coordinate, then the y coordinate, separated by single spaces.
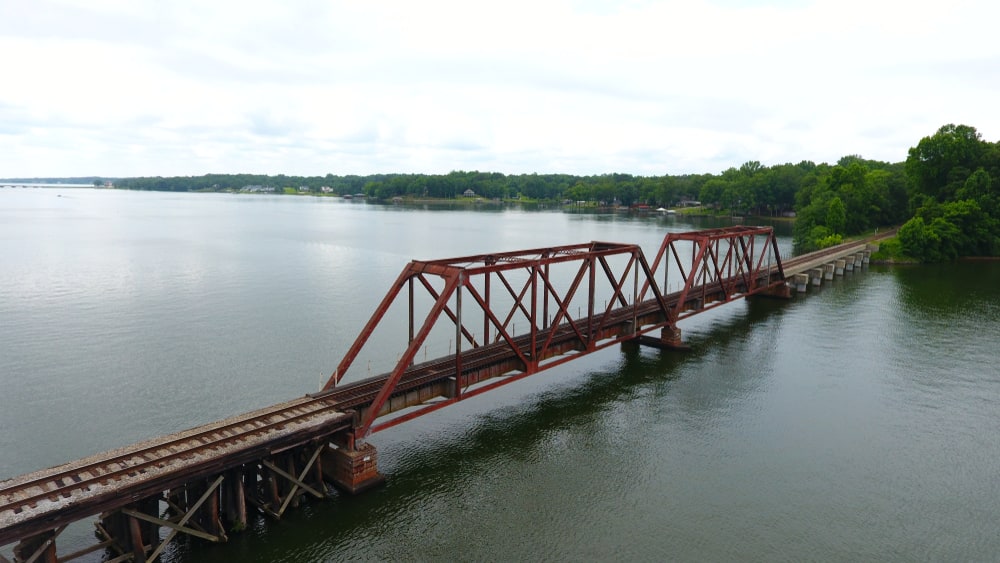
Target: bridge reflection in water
pixel 508 315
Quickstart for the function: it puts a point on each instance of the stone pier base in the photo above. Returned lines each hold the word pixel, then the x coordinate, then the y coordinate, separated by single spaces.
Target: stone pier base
pixel 670 339
pixel 352 471
pixel 779 291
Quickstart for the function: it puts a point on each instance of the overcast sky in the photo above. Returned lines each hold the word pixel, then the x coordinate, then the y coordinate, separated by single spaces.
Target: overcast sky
pixel 135 88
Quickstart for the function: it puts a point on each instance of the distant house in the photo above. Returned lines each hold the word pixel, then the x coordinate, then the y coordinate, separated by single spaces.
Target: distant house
pixel 469 193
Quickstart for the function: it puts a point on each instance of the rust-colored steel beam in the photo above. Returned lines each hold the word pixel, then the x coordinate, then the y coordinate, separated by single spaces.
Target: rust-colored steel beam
pixel 719 265
pixel 535 295
pixel 541 288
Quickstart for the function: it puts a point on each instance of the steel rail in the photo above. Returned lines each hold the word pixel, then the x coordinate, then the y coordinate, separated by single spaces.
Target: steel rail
pixel 16 494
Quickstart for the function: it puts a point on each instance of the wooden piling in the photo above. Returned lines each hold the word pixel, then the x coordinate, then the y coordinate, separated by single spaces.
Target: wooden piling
pixel 40 548
pixel 235 500
pixel 134 541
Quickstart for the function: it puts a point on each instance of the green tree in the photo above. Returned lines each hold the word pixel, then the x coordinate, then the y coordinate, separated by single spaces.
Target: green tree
pixel 941 163
pixel 712 191
pixel 836 215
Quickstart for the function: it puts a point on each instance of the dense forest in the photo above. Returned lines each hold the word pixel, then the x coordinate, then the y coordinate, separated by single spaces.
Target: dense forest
pixel 945 195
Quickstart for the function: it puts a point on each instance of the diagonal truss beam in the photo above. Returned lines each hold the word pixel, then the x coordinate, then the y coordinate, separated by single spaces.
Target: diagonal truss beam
pixel 723 264
pixel 179 526
pixel 715 265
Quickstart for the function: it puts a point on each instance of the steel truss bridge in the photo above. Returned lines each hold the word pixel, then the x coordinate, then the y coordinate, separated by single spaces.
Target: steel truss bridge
pixel 506 316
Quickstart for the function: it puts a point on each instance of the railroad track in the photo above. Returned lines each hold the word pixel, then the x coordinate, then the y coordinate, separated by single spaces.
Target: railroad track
pixel 792 264
pixel 24 496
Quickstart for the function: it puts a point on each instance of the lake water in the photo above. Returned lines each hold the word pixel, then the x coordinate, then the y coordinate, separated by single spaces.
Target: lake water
pixel 856 423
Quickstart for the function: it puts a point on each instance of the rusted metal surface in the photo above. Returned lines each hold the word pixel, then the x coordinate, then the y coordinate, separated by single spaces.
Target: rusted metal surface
pixel 717 266
pixel 612 282
pixel 531 292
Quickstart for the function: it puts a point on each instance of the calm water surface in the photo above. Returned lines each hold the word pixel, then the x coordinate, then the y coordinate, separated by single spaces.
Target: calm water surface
pixel 858 423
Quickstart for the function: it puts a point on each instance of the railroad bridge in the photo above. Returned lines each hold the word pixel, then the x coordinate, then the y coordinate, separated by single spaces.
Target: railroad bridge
pixel 506 315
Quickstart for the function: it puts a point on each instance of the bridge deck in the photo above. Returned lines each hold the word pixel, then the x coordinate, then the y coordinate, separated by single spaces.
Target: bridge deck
pixel 87 486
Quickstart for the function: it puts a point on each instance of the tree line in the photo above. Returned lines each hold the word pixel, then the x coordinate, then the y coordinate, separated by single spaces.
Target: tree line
pixel 944 193
pixel 955 180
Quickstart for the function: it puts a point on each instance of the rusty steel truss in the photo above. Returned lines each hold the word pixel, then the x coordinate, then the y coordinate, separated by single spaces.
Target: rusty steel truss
pixel 717 266
pixel 514 314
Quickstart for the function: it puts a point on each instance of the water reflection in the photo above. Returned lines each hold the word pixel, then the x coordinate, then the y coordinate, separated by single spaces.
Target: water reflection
pixel 961 288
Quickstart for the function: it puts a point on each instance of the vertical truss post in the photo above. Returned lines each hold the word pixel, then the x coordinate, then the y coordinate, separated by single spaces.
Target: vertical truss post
pixel 409 283
pixel 458 337
pixel 591 333
pixel 545 299
pixel 486 317
pixel 534 315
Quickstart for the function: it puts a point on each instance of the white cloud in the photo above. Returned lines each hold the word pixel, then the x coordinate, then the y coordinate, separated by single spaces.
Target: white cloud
pixel 587 86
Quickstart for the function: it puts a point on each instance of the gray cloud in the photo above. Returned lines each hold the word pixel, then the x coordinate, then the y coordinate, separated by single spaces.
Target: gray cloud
pixel 588 87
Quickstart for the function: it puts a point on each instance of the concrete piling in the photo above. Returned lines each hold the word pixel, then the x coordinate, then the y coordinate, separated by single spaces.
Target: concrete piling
pixel 816 276
pixel 828 271
pixel 801 282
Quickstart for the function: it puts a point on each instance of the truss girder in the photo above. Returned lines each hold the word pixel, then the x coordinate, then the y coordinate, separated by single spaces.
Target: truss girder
pixel 719 265
pixel 539 287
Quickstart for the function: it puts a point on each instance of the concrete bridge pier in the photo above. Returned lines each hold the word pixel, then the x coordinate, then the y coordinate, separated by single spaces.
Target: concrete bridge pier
pixel 839 267
pixel 828 271
pixel 670 339
pixel 352 470
pixel 816 276
pixel 849 264
pixel 801 282
pixel 870 248
pixel 779 291
pixel 859 259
